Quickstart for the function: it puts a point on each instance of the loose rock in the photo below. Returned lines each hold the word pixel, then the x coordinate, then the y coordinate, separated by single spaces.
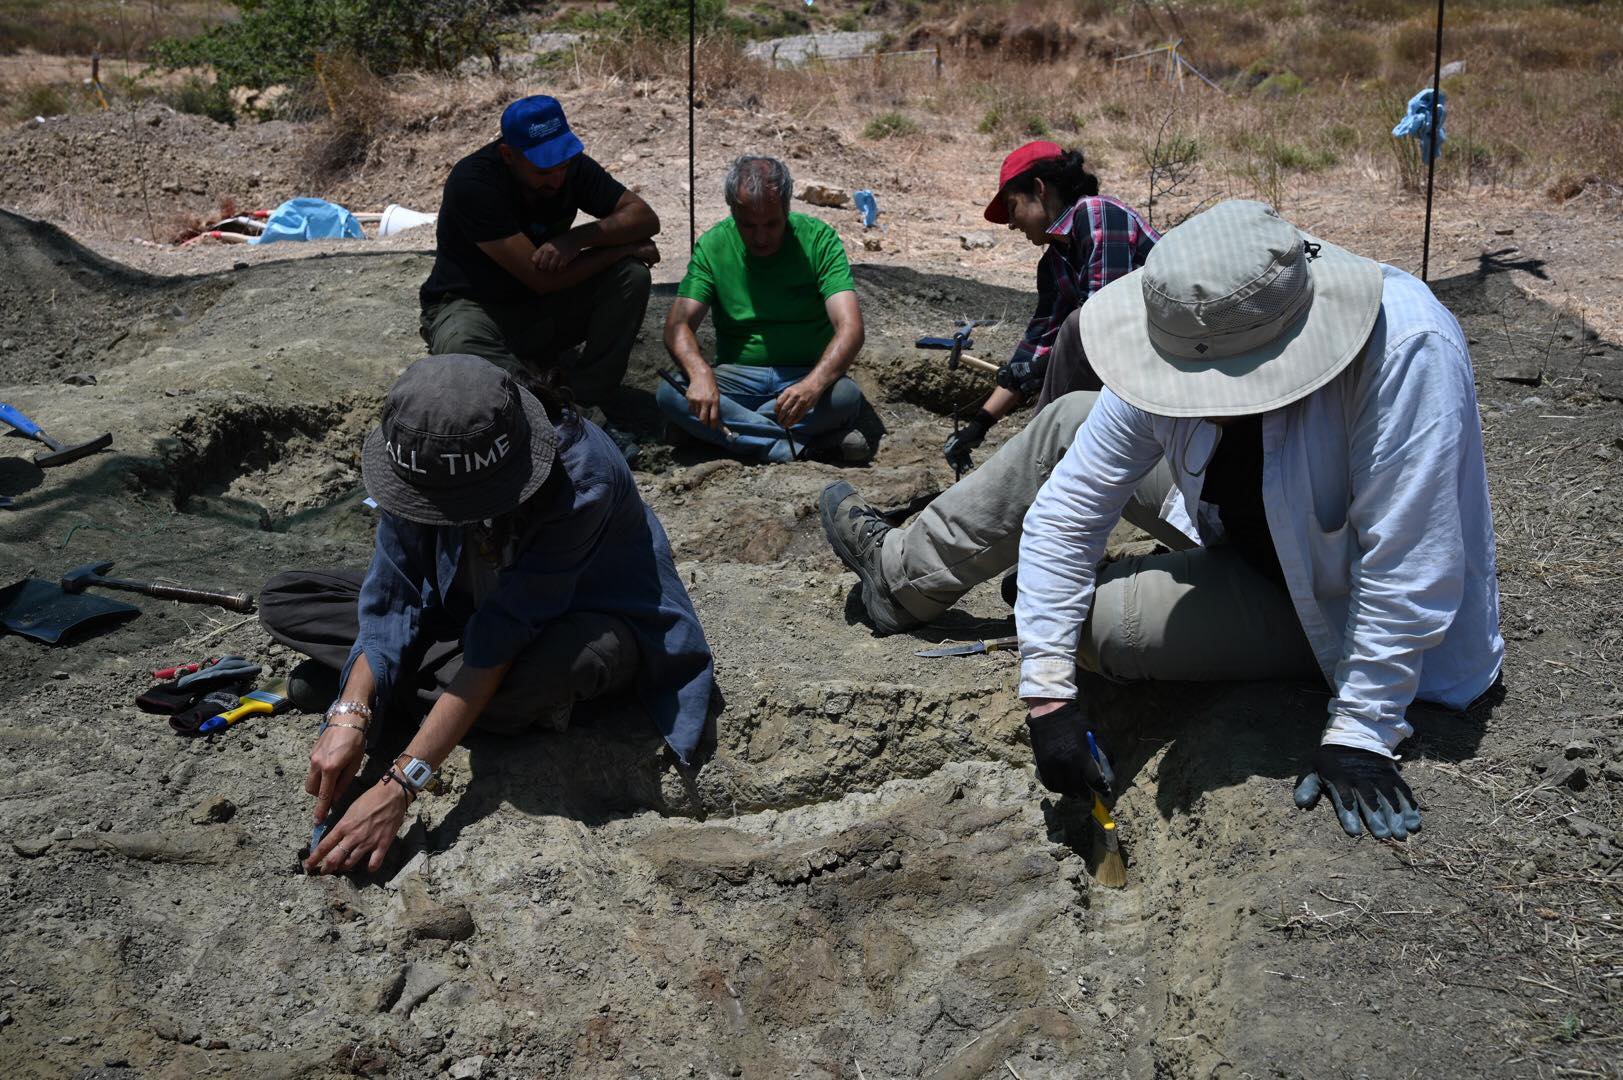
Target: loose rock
pixel 214 811
pixel 819 194
pixel 31 849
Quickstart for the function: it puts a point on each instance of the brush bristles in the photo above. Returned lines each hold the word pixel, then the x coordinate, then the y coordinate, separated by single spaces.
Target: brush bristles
pixel 1111 872
pixel 1109 869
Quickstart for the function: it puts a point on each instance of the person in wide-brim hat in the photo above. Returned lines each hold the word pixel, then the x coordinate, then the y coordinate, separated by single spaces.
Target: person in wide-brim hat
pixel 1317 421
pixel 516 574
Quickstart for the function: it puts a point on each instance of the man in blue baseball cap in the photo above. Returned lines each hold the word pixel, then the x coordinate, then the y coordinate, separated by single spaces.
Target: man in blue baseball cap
pixel 516 280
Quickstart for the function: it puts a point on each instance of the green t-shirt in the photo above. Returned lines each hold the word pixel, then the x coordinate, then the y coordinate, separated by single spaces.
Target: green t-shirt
pixel 769 311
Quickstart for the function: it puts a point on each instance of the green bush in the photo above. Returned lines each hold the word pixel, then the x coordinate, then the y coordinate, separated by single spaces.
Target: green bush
pixel 889 125
pixel 1279 84
pixel 45 99
pixel 1037 127
pixel 202 97
pixel 667 20
pixel 1302 158
pixel 277 41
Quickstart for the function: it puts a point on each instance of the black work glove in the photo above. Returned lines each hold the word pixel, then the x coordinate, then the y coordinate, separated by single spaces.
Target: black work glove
pixel 967 438
pixel 1361 782
pixel 1066 764
pixel 1024 375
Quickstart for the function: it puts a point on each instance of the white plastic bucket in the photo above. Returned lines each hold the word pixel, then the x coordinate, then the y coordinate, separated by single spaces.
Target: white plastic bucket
pixel 398 219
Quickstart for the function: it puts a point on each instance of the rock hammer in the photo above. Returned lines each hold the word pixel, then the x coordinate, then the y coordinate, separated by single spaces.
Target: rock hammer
pixel 61 453
pixel 82 577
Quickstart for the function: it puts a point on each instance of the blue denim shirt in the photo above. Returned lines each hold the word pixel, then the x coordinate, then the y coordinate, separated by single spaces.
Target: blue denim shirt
pixel 589 544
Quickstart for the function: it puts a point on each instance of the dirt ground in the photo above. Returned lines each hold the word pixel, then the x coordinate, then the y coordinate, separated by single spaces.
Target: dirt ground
pixel 864 880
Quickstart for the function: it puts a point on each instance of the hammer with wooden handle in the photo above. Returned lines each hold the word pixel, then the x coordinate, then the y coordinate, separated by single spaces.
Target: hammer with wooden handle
pixel 80 578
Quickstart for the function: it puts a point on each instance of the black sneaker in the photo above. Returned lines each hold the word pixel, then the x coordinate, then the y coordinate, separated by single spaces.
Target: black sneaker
pixel 857 533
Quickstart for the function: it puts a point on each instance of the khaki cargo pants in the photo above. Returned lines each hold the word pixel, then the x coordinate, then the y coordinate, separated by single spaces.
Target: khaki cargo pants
pixel 1190 613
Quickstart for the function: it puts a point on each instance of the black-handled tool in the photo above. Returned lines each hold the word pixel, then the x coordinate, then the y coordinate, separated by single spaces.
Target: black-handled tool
pixel 82 577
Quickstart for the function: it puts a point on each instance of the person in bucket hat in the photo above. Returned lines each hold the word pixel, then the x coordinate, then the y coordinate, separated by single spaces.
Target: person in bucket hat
pixel 1314 416
pixel 516 280
pixel 516 573
pixel 1045 193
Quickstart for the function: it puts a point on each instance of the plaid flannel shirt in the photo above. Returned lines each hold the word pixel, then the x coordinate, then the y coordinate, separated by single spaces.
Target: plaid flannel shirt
pixel 1107 240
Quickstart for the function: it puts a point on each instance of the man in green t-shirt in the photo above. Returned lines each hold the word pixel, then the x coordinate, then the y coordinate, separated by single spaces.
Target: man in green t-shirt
pixel 788 326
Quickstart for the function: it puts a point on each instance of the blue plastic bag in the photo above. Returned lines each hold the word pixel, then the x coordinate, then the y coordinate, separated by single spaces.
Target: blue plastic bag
pixel 309 219
pixel 1416 123
pixel 869 207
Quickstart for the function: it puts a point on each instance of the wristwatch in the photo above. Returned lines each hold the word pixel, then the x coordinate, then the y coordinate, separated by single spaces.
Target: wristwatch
pixel 416 775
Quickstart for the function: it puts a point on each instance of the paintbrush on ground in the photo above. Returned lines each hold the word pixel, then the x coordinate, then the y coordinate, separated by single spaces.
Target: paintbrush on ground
pixel 268 701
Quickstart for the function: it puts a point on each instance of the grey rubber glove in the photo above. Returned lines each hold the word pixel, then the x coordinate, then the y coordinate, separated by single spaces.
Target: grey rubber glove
pixel 229 670
pixel 1070 760
pixel 1362 785
pixel 967 438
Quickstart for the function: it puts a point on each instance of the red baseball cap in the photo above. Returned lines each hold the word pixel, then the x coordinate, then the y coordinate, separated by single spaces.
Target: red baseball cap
pixel 1013 165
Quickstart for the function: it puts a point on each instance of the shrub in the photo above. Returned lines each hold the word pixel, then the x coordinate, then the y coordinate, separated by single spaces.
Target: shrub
pixel 1302 158
pixel 1037 127
pixel 277 41
pixel 204 97
pixel 46 99
pixel 889 125
pixel 667 20
pixel 1279 84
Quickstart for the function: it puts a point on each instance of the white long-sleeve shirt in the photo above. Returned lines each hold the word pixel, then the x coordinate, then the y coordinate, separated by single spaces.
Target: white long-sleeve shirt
pixel 1376 494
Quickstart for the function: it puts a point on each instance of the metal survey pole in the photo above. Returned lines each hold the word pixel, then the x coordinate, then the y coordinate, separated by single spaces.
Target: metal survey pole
pixel 693 220
pixel 1431 138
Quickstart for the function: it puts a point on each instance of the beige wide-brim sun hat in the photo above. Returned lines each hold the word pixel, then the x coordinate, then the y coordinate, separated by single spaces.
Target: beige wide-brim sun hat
pixel 1234 312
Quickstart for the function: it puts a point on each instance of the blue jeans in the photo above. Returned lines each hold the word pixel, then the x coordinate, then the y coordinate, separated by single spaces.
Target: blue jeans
pixel 749 396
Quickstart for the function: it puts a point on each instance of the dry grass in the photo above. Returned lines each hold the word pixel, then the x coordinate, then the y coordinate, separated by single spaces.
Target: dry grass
pixel 1356 64
pixel 111 27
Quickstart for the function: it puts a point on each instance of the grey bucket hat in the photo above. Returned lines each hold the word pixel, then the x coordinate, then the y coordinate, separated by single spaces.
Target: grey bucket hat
pixel 1234 312
pixel 460 442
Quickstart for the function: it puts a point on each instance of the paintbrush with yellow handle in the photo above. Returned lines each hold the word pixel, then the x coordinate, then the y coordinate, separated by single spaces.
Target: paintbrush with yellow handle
pixel 1110 872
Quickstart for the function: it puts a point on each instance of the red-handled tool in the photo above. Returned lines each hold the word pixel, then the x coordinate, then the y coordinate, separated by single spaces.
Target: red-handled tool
pixel 184 669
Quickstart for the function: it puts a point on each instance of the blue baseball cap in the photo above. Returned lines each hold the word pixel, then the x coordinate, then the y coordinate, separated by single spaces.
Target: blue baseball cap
pixel 535 127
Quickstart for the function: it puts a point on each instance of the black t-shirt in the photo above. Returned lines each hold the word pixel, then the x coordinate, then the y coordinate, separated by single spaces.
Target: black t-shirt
pixel 483 202
pixel 1234 485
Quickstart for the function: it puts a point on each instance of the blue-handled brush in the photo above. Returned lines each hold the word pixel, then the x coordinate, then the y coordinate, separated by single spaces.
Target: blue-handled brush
pixel 267 702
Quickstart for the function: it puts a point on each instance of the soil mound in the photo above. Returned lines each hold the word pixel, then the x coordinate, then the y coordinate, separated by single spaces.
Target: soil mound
pixel 62 307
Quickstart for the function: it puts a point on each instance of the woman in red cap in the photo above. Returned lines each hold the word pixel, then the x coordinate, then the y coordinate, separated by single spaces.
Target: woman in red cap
pixel 1044 192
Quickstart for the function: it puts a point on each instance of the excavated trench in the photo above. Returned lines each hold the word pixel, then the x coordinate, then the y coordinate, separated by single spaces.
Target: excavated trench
pixel 862 880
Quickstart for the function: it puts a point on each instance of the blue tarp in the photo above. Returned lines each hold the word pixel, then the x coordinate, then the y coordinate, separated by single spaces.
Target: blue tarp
pixel 309 219
pixel 1416 123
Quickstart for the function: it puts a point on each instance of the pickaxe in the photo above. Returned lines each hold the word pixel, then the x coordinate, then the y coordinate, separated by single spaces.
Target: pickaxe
pixel 959 341
pixel 80 578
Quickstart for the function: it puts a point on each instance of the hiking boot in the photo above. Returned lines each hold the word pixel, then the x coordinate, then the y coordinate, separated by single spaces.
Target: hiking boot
pixel 854 448
pixel 624 441
pixel 312 686
pixel 857 533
